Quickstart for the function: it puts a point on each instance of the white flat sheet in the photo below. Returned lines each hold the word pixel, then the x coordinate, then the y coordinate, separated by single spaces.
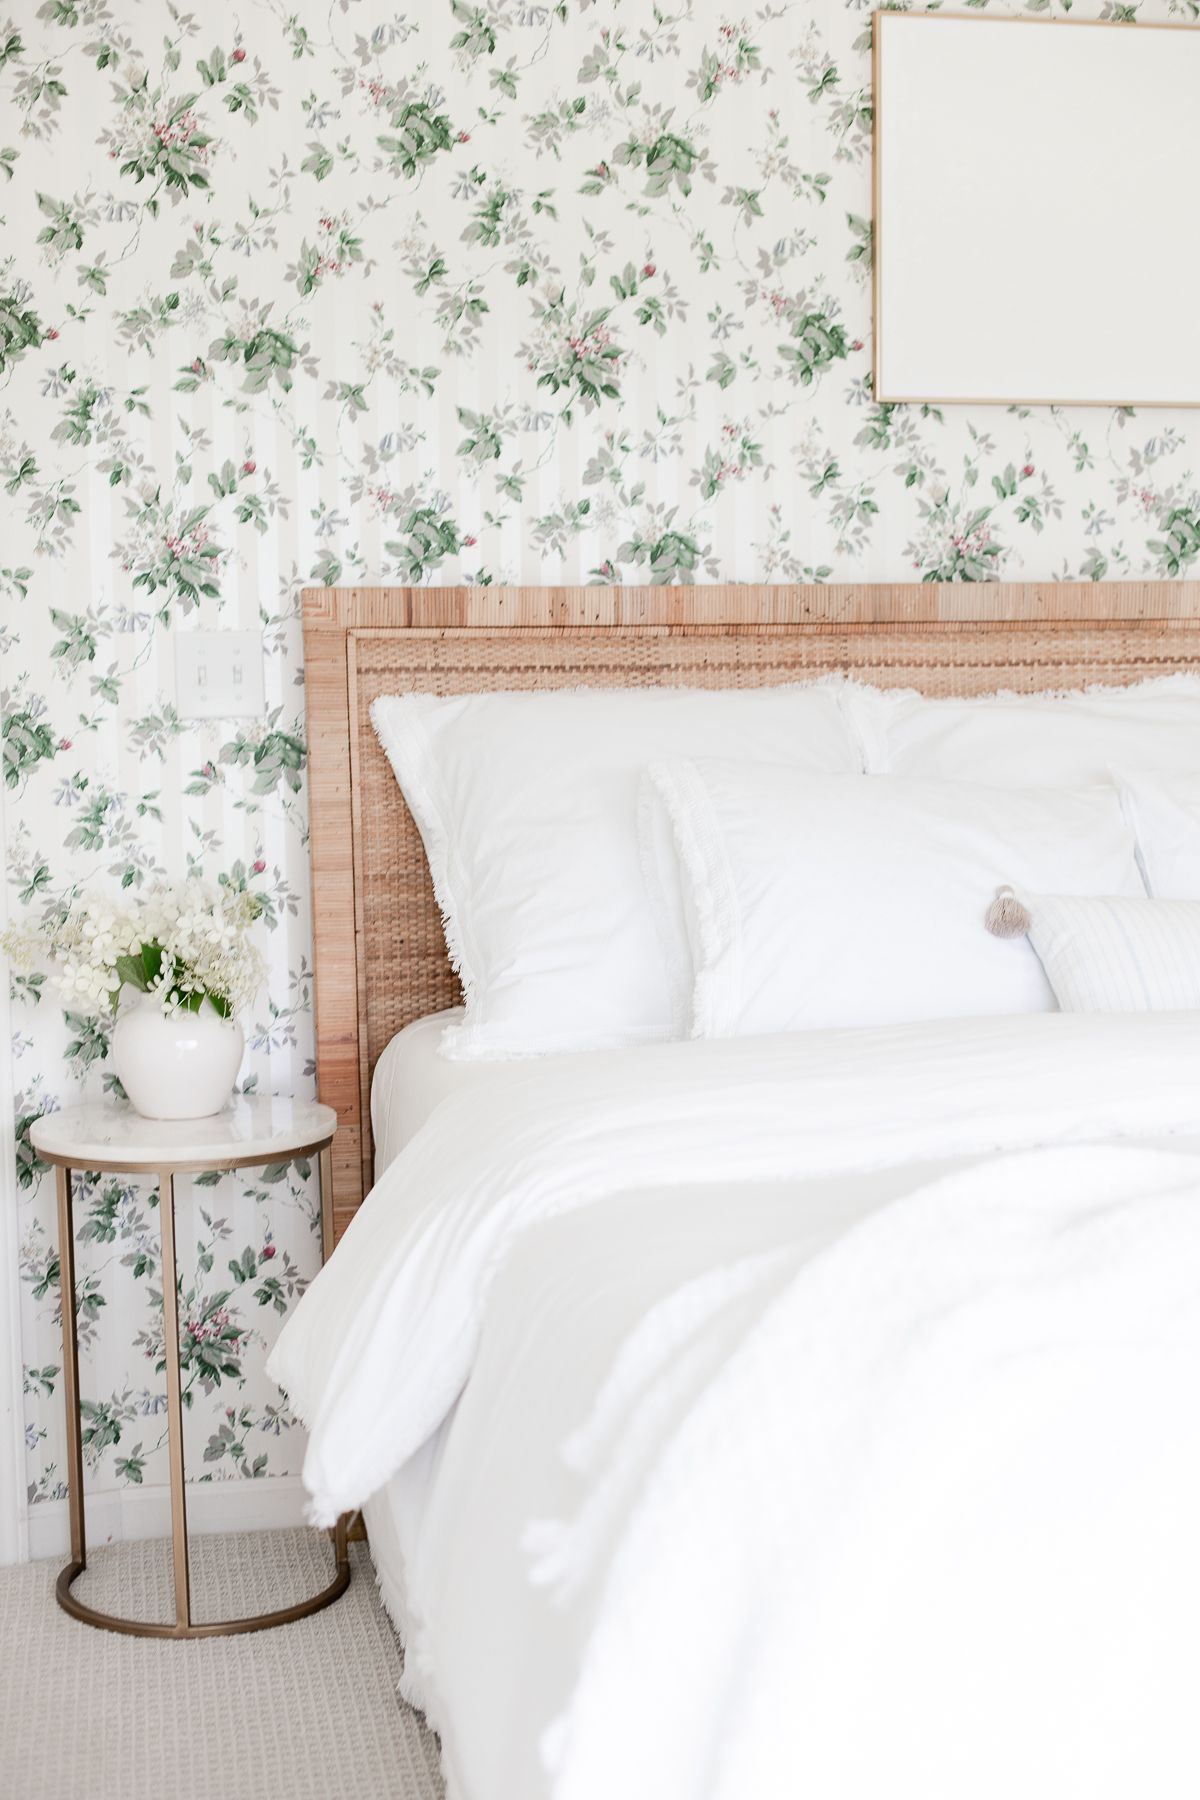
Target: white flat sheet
pixel 592 1355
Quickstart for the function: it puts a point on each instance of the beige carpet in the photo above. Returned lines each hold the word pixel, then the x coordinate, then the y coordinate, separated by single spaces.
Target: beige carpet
pixel 306 1712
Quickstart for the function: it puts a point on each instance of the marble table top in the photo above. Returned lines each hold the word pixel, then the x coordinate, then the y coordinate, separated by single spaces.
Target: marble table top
pixel 264 1127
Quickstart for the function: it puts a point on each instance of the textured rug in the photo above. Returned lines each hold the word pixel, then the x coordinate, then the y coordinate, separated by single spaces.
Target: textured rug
pixel 305 1712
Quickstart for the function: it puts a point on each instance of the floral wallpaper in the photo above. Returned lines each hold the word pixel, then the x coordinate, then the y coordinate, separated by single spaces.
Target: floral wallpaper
pixel 312 291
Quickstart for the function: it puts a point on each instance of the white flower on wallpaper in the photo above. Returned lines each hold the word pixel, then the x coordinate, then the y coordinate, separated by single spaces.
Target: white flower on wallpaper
pixel 307 293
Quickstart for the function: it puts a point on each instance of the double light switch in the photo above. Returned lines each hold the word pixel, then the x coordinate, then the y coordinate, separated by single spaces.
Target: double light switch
pixel 219 674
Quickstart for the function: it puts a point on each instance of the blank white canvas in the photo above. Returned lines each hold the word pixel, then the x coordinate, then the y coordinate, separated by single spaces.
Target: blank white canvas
pixel 1035 211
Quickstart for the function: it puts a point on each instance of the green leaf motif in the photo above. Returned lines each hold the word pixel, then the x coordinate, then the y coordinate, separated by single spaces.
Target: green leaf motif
pixel 421 134
pixel 1180 545
pixel 817 343
pixel 20 330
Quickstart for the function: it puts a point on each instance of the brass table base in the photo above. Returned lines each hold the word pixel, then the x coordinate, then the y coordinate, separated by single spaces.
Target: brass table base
pixel 183 1625
pixel 89 1615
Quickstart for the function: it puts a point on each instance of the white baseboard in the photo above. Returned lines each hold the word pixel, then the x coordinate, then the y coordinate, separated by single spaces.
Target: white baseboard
pixel 268 1504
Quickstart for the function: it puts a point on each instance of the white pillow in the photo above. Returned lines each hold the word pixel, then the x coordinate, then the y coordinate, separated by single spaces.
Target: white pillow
pixel 1034 740
pixel 1164 815
pixel 527 805
pixel 853 900
pixel 1118 955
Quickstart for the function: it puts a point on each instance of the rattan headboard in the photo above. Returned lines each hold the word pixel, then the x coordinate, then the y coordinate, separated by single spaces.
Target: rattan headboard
pixel 379 954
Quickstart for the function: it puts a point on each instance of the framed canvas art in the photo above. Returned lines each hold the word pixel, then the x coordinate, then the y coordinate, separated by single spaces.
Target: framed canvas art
pixel 1034 196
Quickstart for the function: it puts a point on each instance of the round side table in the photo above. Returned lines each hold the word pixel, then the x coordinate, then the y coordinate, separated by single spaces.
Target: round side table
pixel 115 1139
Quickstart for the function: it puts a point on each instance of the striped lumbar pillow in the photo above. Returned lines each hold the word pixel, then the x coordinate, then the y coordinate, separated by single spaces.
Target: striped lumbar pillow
pixel 1109 955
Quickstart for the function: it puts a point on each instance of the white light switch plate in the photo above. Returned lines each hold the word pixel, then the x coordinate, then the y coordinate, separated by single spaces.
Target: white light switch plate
pixel 219 674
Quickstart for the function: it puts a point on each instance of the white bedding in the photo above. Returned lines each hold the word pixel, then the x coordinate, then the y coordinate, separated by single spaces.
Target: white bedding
pixel 839 900
pixel 740 1422
pixel 490 1650
pixel 527 807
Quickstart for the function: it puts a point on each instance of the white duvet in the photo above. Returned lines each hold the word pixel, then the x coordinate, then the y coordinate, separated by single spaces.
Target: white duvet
pixel 828 1419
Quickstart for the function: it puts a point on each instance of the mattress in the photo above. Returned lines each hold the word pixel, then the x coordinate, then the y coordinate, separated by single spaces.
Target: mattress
pixel 411 1079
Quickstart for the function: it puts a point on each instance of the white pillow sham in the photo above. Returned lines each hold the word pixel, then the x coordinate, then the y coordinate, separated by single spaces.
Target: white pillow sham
pixel 1118 955
pixel 816 901
pixel 527 805
pixel 1164 815
pixel 1031 740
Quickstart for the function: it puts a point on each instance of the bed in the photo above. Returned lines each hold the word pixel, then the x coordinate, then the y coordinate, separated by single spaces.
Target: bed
pixel 665 1376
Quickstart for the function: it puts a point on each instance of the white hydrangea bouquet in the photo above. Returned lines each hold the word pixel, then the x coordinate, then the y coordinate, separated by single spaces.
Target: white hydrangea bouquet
pixel 185 957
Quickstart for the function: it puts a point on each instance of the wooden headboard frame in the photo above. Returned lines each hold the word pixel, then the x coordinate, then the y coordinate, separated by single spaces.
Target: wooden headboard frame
pixel 379 955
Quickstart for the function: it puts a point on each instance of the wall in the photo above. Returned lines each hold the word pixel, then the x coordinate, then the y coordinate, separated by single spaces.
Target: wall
pixel 472 292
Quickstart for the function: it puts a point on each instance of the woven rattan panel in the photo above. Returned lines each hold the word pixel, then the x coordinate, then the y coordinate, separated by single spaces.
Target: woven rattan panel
pixel 380 954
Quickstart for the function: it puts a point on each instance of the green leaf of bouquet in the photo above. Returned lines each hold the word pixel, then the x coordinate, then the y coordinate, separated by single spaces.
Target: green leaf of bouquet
pixel 131 972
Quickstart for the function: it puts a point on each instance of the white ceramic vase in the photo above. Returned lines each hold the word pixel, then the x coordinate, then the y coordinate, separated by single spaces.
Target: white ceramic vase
pixel 176 1065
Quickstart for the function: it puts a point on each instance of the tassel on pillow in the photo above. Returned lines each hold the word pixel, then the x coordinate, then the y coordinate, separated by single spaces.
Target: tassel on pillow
pixel 1007 917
